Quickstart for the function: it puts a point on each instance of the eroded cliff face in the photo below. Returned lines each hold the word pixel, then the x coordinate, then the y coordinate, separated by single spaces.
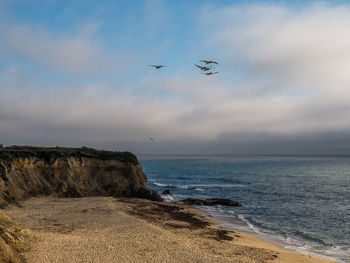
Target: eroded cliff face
pixel 25 173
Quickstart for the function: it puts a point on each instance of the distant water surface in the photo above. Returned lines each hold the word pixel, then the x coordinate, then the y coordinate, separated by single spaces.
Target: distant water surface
pixel 302 201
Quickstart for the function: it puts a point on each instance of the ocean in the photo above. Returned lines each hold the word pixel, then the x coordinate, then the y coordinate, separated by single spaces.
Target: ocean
pixel 300 202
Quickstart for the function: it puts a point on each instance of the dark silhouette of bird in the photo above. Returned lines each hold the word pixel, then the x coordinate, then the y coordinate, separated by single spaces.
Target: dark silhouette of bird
pixel 210 73
pixel 203 68
pixel 207 62
pixel 151 139
pixel 157 66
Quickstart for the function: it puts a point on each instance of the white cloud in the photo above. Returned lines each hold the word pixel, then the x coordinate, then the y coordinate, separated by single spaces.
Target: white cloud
pixel 302 48
pixel 77 53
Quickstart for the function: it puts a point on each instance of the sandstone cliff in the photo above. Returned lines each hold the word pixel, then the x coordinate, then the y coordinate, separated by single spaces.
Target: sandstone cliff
pixel 70 172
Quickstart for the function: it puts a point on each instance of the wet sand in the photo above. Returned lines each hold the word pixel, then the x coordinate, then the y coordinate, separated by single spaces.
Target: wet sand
pixel 105 229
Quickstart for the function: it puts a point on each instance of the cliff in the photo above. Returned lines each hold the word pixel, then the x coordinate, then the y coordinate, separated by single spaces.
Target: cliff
pixel 70 172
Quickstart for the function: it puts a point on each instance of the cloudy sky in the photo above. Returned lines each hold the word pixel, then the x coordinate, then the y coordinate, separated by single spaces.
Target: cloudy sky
pixel 77 73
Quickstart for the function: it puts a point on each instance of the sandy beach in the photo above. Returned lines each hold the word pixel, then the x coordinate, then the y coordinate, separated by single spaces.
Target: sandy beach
pixel 105 229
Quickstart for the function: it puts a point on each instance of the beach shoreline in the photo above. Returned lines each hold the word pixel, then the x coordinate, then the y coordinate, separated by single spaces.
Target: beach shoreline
pixel 236 224
pixel 106 229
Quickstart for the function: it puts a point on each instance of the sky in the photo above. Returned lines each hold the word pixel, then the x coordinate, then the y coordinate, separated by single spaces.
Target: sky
pixel 76 73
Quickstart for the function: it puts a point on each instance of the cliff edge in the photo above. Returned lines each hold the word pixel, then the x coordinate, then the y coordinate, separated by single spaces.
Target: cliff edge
pixel 70 172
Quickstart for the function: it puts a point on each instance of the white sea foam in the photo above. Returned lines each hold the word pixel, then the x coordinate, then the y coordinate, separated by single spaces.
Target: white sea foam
pixel 339 253
pixel 250 225
pixel 334 253
pixel 183 186
pixel 194 186
pixel 167 198
pixel 159 184
pixel 197 187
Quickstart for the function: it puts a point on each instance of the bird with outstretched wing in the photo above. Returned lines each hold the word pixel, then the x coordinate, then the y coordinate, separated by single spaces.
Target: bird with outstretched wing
pixel 203 68
pixel 158 66
pixel 209 62
pixel 210 73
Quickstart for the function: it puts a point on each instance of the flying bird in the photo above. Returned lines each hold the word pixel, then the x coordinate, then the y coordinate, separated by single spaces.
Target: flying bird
pixel 210 73
pixel 210 62
pixel 203 68
pixel 151 139
pixel 157 66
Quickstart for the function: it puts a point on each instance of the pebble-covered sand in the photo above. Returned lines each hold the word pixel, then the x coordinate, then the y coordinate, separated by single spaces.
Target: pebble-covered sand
pixel 105 229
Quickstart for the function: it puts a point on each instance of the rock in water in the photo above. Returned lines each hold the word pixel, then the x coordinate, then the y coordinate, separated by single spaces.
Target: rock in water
pixel 211 202
pixel 70 172
pixel 192 201
pixel 166 192
pixel 148 194
pixel 219 201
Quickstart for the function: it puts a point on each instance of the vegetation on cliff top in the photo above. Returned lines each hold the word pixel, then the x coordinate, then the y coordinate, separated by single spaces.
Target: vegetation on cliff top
pixel 47 153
